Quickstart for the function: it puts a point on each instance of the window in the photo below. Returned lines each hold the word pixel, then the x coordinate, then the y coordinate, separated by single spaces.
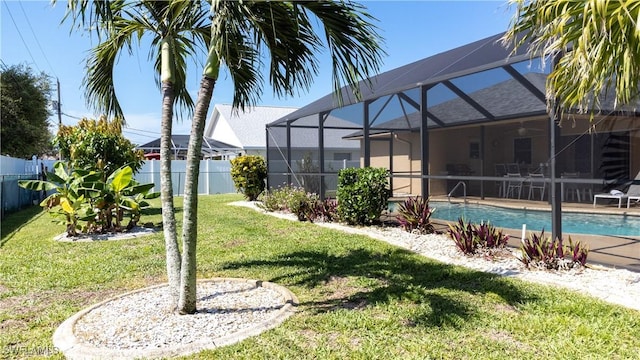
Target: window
pixel 474 150
pixel 522 150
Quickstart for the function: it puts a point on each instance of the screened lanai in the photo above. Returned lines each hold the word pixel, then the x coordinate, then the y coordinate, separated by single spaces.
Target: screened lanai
pixel 476 115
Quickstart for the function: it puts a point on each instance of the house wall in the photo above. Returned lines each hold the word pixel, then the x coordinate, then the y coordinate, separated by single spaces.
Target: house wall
pixel 222 131
pixel 450 150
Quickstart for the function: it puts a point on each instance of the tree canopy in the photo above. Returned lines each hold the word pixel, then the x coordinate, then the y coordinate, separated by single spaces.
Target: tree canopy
pixel 25 112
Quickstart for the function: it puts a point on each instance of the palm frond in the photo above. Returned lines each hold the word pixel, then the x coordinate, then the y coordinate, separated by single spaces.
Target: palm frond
pixel 353 41
pixel 599 41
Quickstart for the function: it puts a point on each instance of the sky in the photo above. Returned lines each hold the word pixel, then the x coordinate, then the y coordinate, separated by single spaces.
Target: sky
pixel 32 34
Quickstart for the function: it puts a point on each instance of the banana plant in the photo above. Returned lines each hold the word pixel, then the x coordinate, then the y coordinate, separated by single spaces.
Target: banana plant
pixel 71 199
pixel 89 204
pixel 123 195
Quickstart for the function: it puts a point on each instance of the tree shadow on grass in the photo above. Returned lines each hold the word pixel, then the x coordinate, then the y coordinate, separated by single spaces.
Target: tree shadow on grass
pixel 396 275
pixel 13 222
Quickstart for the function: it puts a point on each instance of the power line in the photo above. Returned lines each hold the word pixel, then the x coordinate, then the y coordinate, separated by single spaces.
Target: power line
pixel 20 34
pixel 36 38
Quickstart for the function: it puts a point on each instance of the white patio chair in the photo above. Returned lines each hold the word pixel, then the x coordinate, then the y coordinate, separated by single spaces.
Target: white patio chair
pixel 536 182
pixel 633 193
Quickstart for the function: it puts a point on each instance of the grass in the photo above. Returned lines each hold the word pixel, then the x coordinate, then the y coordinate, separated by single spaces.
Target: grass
pixel 359 298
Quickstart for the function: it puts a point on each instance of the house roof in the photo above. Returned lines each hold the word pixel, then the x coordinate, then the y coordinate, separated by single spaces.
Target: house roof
pixel 248 127
pixel 181 142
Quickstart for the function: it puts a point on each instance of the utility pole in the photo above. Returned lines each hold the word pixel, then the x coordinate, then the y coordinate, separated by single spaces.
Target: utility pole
pixel 59 109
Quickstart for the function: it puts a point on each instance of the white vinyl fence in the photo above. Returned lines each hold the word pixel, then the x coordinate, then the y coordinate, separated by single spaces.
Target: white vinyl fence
pixel 215 178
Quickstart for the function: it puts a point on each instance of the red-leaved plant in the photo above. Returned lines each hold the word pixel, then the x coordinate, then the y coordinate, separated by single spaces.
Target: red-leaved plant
pixel 415 214
pixel 470 237
pixel 543 251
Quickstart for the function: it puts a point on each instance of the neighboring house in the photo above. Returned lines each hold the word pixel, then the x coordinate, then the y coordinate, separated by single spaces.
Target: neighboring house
pixel 243 130
pixel 211 149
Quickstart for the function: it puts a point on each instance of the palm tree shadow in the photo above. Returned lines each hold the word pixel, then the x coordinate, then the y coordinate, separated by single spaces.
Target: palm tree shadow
pixel 397 275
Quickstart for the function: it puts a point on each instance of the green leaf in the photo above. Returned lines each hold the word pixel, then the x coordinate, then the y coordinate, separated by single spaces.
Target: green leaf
pixel 60 172
pixel 121 178
pixel 36 185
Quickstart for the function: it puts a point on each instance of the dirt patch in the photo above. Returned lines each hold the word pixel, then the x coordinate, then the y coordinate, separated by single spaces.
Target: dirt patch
pixel 235 243
pixel 505 337
pixel 506 308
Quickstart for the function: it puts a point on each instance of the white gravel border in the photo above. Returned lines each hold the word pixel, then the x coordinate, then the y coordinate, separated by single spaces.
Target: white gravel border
pixel 135 325
pixel 617 286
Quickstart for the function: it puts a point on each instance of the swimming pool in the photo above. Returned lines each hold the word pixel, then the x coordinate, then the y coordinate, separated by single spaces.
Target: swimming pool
pixel 574 223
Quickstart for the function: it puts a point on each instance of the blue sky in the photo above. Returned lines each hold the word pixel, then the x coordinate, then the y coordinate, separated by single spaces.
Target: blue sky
pixel 32 34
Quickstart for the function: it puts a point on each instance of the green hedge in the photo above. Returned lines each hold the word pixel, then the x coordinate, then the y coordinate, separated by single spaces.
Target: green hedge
pixel 362 194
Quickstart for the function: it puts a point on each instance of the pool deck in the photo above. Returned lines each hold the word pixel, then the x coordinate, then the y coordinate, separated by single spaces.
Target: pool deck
pixel 612 251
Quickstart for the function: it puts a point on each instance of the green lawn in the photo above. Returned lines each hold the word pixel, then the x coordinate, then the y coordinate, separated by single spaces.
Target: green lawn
pixel 359 298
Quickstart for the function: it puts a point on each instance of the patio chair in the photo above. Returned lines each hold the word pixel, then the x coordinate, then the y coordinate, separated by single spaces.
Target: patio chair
pixel 633 193
pixel 536 182
pixel 513 168
pixel 513 184
pixel 571 189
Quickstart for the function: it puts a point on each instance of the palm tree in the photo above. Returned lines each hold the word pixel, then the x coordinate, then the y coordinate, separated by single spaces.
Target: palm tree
pixel 179 29
pixel 598 41
pixel 244 33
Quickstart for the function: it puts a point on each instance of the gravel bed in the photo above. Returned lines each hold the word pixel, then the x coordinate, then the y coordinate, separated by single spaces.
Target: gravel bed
pixel 141 320
pixel 618 286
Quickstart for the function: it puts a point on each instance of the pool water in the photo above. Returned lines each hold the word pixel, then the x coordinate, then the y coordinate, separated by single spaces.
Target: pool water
pixel 574 223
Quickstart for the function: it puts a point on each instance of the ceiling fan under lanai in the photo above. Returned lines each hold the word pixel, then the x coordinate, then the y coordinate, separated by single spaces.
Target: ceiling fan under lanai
pixel 523 130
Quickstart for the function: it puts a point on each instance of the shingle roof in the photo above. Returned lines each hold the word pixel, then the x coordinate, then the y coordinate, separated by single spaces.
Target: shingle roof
pixel 182 142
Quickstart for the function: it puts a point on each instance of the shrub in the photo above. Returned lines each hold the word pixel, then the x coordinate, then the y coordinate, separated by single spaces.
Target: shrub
pixel 249 173
pixel 328 210
pixel 90 204
pixel 470 237
pixel 362 194
pixel 541 251
pixel 275 199
pixel 98 144
pixel 303 204
pixel 415 214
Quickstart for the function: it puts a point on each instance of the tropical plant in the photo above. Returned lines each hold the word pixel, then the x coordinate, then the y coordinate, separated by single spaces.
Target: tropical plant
pixel 469 238
pixel 462 234
pixel 249 173
pixel 363 194
pixel 87 203
pixel 98 144
pixel 598 42
pixel 414 214
pixel 243 35
pixel 68 201
pixel 541 251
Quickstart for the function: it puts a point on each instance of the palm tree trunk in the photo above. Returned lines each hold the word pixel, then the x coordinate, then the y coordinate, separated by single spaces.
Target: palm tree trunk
pixel 166 195
pixel 187 301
